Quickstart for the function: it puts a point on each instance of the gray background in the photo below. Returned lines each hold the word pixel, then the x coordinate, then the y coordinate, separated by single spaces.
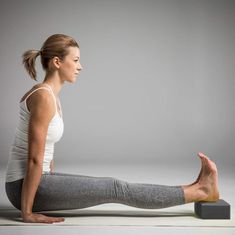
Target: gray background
pixel 156 88
pixel 157 84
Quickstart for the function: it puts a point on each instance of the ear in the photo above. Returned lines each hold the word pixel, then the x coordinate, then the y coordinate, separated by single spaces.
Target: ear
pixel 56 62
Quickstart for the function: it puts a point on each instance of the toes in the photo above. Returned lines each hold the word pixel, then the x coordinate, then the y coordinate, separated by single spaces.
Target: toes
pixel 206 163
pixel 210 165
pixel 200 154
pixel 206 159
pixel 202 168
pixel 203 160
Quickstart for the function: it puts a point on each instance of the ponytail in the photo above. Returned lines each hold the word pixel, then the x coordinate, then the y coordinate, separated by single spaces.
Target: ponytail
pixel 29 58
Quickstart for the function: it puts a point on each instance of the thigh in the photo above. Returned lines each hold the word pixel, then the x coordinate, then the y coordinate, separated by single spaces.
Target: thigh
pixel 61 191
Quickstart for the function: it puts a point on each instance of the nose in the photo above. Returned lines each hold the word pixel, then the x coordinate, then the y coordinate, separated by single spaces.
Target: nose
pixel 80 66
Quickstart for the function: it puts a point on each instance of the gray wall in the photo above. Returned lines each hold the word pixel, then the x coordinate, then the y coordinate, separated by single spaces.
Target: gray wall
pixel 157 85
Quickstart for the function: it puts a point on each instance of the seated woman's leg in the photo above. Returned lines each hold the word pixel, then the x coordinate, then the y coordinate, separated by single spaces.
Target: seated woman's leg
pixel 60 191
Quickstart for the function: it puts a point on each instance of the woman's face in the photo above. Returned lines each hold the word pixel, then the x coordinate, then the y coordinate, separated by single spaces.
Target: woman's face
pixel 70 66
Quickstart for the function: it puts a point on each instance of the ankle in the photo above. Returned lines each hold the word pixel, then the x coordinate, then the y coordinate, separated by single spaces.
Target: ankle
pixel 194 193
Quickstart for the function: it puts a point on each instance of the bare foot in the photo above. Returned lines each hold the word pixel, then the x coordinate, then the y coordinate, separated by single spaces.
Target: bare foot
pixel 199 176
pixel 205 188
pixel 208 180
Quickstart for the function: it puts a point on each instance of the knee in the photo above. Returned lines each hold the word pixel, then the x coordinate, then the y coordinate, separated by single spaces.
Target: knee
pixel 118 182
pixel 121 188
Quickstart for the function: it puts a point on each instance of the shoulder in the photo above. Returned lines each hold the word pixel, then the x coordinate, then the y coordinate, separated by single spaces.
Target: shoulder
pixel 41 100
pixel 34 91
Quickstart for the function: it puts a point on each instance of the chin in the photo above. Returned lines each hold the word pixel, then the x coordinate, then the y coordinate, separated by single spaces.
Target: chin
pixel 72 80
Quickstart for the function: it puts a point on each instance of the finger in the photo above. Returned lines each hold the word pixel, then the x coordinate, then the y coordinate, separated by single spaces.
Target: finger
pixel 55 219
pixel 46 221
pixel 58 219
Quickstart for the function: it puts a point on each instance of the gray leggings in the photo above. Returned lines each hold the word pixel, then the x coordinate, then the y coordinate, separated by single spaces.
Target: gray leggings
pixel 60 191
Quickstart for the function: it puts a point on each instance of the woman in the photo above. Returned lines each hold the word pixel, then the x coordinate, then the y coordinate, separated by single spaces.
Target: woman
pixel 32 186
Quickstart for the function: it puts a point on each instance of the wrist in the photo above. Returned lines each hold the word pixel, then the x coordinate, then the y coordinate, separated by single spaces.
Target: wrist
pixel 26 213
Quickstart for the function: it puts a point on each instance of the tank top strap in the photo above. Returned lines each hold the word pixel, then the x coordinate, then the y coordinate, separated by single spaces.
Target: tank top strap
pixel 50 90
pixel 55 100
pixel 34 91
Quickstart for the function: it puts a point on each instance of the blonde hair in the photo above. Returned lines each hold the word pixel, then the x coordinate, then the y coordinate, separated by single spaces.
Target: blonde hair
pixel 55 45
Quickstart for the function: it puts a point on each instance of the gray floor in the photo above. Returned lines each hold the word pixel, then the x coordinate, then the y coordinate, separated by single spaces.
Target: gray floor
pixel 160 174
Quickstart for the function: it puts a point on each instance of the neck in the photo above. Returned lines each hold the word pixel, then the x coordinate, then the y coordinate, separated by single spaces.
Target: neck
pixel 55 82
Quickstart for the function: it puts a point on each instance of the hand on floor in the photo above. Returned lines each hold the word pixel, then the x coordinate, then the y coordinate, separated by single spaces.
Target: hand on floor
pixel 40 218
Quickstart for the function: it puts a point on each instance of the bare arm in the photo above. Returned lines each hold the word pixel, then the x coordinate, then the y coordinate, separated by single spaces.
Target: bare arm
pixel 42 109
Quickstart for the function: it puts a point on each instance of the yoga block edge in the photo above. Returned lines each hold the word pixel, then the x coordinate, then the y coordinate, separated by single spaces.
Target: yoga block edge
pixel 212 210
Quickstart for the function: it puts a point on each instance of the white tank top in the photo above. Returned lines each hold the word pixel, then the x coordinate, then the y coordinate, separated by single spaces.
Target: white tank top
pixel 18 155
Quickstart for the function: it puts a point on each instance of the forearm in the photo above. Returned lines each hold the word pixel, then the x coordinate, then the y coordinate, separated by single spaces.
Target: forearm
pixel 30 186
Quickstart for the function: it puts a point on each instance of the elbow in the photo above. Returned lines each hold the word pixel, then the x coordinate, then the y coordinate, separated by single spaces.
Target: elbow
pixel 34 168
pixel 34 162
